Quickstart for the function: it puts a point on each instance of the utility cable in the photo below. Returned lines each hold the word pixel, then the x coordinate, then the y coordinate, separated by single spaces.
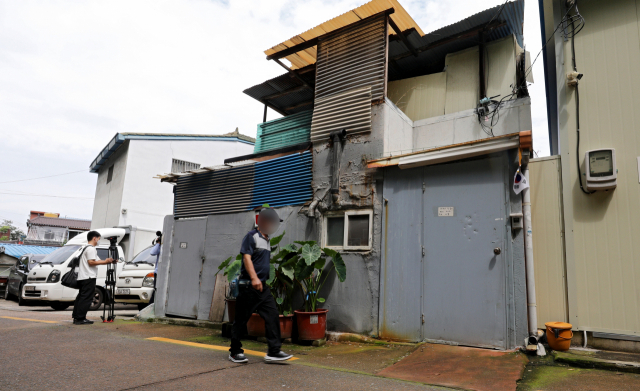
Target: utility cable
pixel 575 69
pixel 41 195
pixel 43 177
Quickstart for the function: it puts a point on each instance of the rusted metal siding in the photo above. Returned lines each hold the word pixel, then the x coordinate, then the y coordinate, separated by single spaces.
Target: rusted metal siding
pixel 352 59
pixel 282 132
pixel 548 240
pixel 349 110
pixel 603 250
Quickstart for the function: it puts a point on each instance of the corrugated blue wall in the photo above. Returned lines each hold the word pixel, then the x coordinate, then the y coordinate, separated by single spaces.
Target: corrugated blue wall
pixel 283 132
pixel 278 182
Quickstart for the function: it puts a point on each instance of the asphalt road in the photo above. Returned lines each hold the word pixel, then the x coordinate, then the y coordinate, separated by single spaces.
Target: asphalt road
pixel 40 349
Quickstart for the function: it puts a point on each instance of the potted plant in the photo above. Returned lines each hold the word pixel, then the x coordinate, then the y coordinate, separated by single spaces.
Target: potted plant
pixel 311 268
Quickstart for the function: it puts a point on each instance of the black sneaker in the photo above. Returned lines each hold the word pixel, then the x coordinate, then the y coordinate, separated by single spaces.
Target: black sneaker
pixel 238 358
pixel 280 356
pixel 83 321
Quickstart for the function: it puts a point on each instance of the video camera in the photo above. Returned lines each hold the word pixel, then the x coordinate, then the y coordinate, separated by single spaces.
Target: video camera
pixel 113 241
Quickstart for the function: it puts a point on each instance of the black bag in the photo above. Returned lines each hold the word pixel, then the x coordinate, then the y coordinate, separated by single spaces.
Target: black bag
pixel 70 278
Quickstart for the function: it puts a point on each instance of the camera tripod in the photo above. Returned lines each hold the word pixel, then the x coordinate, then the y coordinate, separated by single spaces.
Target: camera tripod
pixel 110 284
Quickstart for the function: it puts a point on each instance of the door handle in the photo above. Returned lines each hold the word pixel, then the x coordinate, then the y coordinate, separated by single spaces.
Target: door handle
pixel 497 250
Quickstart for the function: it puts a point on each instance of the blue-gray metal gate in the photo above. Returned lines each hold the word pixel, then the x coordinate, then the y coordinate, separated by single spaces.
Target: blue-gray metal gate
pixel 443 277
pixel 185 269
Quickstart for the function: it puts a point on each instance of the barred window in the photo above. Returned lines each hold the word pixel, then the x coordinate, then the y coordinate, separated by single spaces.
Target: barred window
pixel 178 166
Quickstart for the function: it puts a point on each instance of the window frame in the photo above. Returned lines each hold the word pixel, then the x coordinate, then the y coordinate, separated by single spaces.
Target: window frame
pixel 110 174
pixel 345 215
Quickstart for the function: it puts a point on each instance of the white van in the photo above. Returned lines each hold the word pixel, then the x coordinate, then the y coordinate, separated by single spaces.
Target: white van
pixel 134 284
pixel 43 282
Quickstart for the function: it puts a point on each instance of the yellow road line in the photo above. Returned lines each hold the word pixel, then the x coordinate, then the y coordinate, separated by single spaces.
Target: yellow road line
pixel 205 346
pixel 29 320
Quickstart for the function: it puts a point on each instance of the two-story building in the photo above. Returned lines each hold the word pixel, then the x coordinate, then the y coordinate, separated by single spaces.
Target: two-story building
pixel 397 148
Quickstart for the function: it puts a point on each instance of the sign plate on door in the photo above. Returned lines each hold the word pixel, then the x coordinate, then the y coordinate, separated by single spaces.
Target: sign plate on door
pixel 183 244
pixel 445 211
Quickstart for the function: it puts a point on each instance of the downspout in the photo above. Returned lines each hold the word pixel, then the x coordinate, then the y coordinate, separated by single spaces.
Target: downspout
pixel 528 255
pixel 337 136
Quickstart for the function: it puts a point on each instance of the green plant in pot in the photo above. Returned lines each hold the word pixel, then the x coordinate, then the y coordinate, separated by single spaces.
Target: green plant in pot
pixel 312 267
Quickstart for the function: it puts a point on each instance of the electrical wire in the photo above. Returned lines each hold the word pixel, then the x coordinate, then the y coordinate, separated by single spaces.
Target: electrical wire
pixel 43 177
pixel 565 22
pixel 497 14
pixel 8 192
pixel 575 30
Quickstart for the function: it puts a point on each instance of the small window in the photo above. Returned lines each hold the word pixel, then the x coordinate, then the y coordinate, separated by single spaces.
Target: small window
pixel 350 230
pixel 178 166
pixel 110 174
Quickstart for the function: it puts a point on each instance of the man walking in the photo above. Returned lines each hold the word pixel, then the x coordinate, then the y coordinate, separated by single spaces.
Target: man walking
pixel 87 274
pixel 254 293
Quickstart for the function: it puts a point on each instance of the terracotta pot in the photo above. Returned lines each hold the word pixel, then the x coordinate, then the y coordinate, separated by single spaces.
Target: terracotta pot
pixel 311 325
pixel 286 326
pixel 231 309
pixel 256 328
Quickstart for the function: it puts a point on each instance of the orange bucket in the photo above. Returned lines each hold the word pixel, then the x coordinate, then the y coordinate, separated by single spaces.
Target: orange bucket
pixel 559 335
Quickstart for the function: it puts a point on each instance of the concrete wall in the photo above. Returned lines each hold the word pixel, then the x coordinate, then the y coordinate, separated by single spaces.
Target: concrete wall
pixel 402 135
pixel 108 198
pixel 353 305
pixel 602 230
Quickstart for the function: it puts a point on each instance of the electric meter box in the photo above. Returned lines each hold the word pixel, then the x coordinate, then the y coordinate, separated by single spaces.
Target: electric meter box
pixel 602 173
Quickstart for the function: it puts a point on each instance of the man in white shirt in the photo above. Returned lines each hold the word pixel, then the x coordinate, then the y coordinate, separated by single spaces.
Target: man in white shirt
pixel 87 274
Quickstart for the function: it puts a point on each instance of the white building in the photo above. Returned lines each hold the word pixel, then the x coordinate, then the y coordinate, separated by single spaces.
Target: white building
pixel 127 194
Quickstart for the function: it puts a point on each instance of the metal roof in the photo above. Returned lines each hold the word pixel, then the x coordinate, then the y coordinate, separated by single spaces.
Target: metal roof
pixel 120 138
pixel 434 46
pixel 60 222
pixel 307 57
pixel 18 250
pixel 298 100
pixel 432 49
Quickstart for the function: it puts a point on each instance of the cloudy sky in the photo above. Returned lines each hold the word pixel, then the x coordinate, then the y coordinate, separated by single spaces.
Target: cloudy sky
pixel 73 74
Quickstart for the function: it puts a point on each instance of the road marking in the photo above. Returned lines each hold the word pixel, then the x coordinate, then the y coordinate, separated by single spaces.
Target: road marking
pixel 29 320
pixel 205 346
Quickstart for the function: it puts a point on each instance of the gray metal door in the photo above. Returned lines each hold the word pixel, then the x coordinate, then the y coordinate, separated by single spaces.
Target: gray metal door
pixel 463 269
pixel 185 269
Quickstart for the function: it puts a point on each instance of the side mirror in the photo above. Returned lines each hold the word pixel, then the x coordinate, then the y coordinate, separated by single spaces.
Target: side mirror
pixel 22 267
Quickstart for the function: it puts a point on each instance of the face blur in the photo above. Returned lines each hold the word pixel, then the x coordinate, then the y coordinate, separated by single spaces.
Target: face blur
pixel 94 241
pixel 267 226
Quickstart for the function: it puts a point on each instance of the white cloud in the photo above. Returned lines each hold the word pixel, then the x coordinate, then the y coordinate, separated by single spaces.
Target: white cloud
pixel 72 74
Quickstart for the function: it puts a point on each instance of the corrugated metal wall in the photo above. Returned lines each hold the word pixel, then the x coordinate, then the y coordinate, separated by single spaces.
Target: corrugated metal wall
pixel 282 132
pixel 352 59
pixel 278 182
pixel 420 97
pixel 548 240
pixel 349 110
pixel 283 181
pixel 603 250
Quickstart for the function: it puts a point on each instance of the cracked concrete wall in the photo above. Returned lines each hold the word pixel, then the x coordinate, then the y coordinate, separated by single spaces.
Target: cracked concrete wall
pixel 353 305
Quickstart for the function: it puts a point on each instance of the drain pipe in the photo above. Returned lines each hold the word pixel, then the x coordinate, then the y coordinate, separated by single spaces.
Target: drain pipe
pixel 528 258
pixel 336 136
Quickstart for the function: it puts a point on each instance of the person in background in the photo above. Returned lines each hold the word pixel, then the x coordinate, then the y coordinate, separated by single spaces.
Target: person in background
pixel 87 274
pixel 157 247
pixel 254 293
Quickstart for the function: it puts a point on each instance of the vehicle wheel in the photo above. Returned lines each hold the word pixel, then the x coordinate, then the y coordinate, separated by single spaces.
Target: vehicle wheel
pixel 60 306
pixel 142 306
pixel 21 301
pixel 96 302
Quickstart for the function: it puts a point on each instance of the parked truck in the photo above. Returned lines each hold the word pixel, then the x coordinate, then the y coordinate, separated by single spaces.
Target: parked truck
pixel 43 282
